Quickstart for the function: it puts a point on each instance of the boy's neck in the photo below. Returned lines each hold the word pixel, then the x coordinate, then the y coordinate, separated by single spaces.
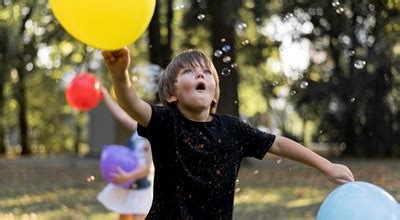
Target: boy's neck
pixel 203 116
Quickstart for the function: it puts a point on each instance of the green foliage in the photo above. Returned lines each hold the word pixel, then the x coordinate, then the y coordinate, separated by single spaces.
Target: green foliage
pixel 348 91
pixel 358 107
pixel 32 31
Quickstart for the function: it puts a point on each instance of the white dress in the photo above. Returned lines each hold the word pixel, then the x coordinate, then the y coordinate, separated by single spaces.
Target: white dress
pixel 129 201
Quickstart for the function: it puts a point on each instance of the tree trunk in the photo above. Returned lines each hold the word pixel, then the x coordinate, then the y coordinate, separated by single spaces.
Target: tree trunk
pixel 4 71
pixel 223 34
pixel 166 50
pixel 154 37
pixel 160 48
pixel 79 132
pixel 2 117
pixel 23 121
pixel 160 51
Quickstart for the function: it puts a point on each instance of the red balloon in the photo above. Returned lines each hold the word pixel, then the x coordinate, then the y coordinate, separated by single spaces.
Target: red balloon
pixel 84 92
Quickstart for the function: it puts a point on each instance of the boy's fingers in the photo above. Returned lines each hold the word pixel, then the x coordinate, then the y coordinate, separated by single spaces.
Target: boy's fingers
pixel 352 176
pixel 120 52
pixel 108 56
pixel 105 55
pixel 350 173
pixel 339 180
pixel 347 178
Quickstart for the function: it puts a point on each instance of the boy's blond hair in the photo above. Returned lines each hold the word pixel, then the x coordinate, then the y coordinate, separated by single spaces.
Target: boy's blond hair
pixel 189 58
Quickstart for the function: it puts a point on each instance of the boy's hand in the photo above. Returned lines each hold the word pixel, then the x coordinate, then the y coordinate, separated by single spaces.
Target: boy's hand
pixel 338 173
pixel 117 61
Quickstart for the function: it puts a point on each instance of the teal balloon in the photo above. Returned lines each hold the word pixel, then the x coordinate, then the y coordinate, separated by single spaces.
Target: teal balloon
pixel 359 201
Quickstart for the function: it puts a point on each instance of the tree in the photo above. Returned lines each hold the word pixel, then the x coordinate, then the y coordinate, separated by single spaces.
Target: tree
pixel 30 29
pixel 4 72
pixel 349 92
pixel 223 39
pixel 160 45
pixel 206 20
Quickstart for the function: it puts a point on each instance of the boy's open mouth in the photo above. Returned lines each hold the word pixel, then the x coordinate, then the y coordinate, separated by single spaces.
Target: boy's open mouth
pixel 200 86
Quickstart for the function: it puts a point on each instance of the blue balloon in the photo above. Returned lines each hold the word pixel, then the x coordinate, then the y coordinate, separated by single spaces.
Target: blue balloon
pixel 114 156
pixel 359 201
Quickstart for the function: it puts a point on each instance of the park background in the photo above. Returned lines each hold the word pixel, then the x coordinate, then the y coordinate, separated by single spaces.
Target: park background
pixel 323 73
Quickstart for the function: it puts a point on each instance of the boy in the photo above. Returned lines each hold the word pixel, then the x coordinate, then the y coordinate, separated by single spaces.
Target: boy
pixel 196 152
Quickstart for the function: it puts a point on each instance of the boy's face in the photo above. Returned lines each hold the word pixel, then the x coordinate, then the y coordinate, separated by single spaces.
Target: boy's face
pixel 194 88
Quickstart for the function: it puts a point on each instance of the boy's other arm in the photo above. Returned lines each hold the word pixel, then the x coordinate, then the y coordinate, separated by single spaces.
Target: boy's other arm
pixel 117 63
pixel 287 148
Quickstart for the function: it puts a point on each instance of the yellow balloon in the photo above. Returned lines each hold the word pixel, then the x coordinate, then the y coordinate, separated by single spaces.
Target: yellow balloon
pixel 104 24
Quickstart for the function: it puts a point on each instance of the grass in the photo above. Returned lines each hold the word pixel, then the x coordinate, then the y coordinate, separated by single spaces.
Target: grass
pixel 65 188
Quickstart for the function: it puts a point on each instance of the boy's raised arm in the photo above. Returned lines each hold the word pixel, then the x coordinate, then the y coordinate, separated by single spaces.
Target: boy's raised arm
pixel 118 63
pixel 287 148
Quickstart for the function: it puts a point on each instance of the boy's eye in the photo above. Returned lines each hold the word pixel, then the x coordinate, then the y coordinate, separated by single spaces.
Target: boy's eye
pixel 207 71
pixel 187 71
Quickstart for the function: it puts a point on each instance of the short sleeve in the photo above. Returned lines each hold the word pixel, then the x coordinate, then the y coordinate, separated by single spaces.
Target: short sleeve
pixel 254 142
pixel 155 122
pixel 158 130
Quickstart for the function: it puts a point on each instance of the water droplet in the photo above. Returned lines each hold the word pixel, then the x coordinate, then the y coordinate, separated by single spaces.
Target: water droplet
pixel 293 92
pixel 236 102
pixel 255 171
pixel 303 84
pixel 340 10
pixel 223 40
pixel 321 131
pixel 226 48
pixel 359 64
pixel 242 26
pixel 29 66
pixel 288 16
pixel 275 83
pixel 279 161
pixel 335 3
pixel 351 53
pixel 234 65
pixel 352 99
pixel 218 53
pixel 90 179
pixel 371 7
pixel 179 7
pixel 201 17
pixel 226 71
pixel 245 42
pixel 226 59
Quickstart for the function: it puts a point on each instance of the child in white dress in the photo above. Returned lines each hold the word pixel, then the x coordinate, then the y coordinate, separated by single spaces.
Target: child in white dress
pixel 131 203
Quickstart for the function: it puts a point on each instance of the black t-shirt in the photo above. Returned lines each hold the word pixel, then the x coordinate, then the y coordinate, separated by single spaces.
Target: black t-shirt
pixel 197 163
